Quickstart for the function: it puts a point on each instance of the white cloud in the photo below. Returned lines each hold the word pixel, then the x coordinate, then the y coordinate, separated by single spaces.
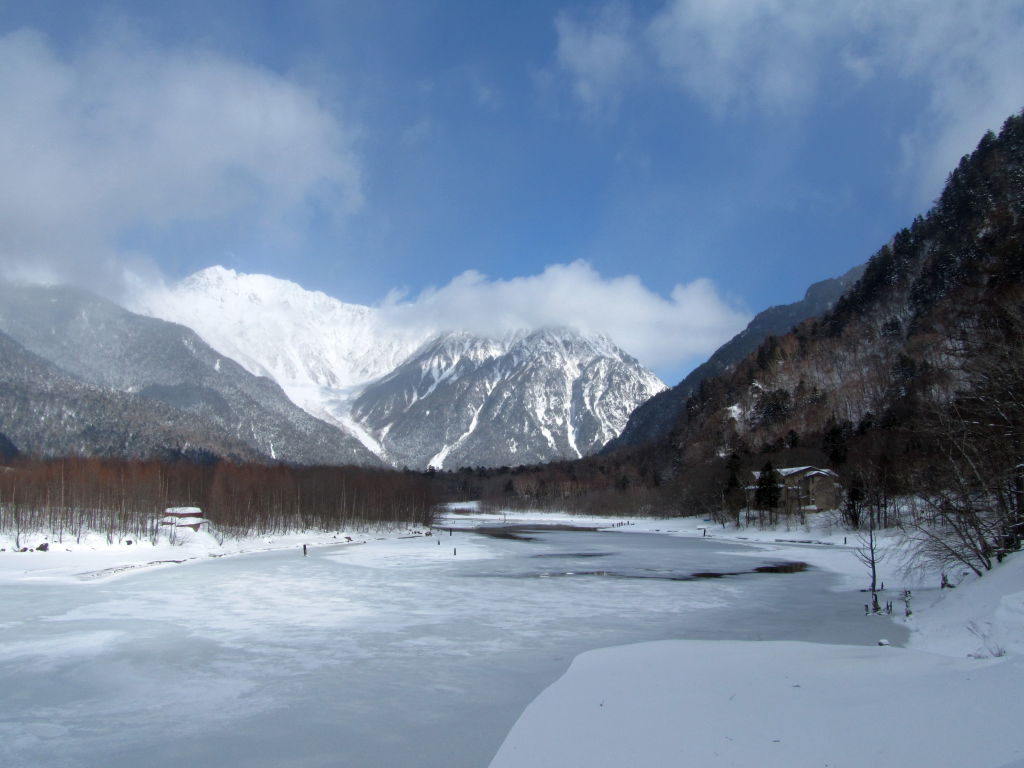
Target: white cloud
pixel 124 136
pixel 778 56
pixel 598 55
pixel 762 52
pixel 659 332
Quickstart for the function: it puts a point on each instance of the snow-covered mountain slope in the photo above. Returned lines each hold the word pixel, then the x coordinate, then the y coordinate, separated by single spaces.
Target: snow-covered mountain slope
pixel 304 340
pixel 414 397
pixel 104 345
pixel 527 398
pixel 319 350
pixel 47 412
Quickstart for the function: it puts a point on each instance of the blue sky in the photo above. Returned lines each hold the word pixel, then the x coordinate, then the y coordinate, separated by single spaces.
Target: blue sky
pixel 754 146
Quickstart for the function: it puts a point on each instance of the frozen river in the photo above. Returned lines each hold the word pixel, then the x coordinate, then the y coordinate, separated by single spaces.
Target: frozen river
pixel 396 653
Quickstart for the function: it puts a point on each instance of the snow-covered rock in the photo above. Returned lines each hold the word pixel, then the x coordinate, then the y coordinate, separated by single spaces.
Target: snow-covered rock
pixel 527 398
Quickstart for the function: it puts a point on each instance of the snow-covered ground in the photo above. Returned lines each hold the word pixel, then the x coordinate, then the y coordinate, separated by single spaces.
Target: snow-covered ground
pixel 786 704
pixel 416 651
pixel 951 698
pixel 93 557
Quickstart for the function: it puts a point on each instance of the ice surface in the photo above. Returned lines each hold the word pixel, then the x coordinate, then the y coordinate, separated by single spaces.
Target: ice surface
pixel 404 652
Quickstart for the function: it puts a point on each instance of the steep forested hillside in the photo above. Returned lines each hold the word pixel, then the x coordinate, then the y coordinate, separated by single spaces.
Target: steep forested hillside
pixel 44 411
pixel 891 343
pixel 654 419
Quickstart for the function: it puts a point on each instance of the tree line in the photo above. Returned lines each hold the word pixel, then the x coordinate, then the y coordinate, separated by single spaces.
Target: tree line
pixel 126 499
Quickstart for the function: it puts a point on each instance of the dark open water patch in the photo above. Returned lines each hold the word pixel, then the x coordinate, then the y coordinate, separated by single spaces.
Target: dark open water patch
pixel 516 531
pixel 782 568
pixel 575 554
pixel 651 574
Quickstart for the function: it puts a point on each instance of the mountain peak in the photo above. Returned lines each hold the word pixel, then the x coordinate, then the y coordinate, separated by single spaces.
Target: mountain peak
pixel 412 396
pixel 461 400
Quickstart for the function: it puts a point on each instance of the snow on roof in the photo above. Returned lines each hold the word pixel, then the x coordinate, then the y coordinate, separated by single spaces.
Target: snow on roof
pixel 183 512
pixel 787 471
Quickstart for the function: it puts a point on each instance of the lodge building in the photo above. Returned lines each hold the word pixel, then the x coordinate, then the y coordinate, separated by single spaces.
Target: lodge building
pixel 806 489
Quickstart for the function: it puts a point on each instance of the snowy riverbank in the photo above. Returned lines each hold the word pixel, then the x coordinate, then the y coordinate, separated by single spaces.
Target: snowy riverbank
pixel 949 699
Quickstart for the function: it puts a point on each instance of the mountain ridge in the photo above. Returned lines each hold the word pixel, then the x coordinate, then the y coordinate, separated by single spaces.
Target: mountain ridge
pixel 348 376
pixel 544 389
pixel 876 368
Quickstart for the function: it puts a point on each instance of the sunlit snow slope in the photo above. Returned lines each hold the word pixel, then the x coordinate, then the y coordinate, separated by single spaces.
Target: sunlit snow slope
pixel 318 349
pixel 416 397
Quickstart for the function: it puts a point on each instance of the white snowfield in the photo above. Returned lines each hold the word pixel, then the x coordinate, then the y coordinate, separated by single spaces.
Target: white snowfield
pixel 786 704
pixel 304 340
pixel 952 699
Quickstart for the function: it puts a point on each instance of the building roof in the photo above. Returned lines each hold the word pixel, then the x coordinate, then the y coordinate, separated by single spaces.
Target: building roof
pixel 787 471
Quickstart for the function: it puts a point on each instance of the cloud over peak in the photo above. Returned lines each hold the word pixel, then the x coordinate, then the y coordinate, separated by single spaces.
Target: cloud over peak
pixel 660 332
pixel 124 135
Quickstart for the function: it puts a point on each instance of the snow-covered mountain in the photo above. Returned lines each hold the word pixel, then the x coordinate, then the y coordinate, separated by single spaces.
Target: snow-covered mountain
pixel 271 327
pixel 414 397
pixel 528 398
pixel 319 350
pixel 138 386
